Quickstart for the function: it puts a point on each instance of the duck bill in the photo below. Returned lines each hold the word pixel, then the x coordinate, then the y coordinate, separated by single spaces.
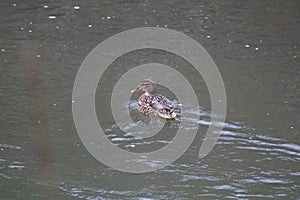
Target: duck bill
pixel 136 90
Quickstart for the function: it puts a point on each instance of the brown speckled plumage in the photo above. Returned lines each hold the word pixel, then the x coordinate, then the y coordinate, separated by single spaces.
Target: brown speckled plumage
pixel 152 103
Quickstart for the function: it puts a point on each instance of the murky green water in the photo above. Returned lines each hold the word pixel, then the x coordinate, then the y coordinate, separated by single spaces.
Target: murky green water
pixel 255 44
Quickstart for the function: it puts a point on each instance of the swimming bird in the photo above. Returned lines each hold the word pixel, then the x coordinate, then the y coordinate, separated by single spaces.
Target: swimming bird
pixel 152 103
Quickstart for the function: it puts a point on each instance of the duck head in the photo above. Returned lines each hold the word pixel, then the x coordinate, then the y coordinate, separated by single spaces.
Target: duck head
pixel 147 86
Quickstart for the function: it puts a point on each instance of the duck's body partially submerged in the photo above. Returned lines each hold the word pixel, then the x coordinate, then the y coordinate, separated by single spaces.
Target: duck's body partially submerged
pixel 152 103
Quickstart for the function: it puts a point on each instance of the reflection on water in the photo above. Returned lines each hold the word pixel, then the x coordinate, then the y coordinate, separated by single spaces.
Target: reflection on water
pixel 247 158
pixel 255 45
pixel 263 151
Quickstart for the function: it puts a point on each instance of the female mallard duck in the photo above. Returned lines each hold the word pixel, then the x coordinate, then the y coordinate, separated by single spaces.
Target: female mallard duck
pixel 152 103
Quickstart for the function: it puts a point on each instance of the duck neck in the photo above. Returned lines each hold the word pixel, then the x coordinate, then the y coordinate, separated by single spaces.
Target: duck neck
pixel 148 94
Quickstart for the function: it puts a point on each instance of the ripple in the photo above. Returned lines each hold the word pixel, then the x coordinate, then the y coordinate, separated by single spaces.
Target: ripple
pixel 264 149
pixel 258 142
pixel 17 165
pixel 195 177
pixel 224 187
pixel 274 180
pixel 268 138
pixel 9 146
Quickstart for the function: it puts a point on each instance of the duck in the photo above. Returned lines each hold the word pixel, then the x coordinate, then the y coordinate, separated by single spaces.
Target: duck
pixel 151 103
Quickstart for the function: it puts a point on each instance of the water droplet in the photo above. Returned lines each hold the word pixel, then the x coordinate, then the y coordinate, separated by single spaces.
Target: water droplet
pixel 2 50
pixel 76 7
pixel 54 104
pixel 90 25
pixel 30 22
pixel 73 101
pixel 14 5
pixel 45 6
pixel 108 17
pixel 229 41
pixel 22 29
pixel 132 145
pixel 38 55
pixel 52 17
pixel 30 31
pixel 208 36
pixel 146 23
pixel 247 45
pixel 166 25
pixel 256 49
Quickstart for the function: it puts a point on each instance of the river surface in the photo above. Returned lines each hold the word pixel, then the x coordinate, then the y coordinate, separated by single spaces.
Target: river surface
pixel 255 45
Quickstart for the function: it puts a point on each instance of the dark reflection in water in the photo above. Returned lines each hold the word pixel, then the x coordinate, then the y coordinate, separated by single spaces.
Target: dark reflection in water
pixel 255 44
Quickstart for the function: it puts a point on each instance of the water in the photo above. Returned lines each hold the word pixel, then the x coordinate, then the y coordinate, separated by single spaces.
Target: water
pixel 256 47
